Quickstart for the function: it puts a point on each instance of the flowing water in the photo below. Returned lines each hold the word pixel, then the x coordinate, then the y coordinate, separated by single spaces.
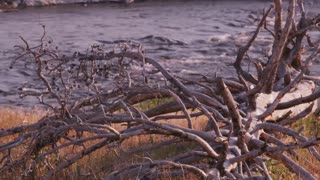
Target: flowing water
pixel 185 36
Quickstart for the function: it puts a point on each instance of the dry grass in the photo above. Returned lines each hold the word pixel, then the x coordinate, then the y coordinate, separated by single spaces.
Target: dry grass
pixel 10 117
pixel 95 165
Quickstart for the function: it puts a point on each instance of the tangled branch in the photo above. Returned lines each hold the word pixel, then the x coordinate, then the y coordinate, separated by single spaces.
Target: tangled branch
pixel 96 102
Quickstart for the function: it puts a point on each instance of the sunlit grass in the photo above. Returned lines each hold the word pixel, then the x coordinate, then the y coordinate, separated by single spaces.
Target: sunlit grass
pixel 151 103
pixel 13 117
pixel 98 163
pixel 104 160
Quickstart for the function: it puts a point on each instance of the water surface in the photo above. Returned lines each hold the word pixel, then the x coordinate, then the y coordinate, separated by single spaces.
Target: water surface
pixel 193 35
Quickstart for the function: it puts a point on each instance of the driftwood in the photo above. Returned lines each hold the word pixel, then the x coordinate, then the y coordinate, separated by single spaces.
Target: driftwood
pixel 90 93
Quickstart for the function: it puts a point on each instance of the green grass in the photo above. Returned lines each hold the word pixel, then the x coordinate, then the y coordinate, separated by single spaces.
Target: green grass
pixel 278 171
pixel 311 129
pixel 148 104
pixel 311 126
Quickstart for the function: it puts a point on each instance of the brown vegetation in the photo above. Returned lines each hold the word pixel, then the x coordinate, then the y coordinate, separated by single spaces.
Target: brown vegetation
pixel 109 101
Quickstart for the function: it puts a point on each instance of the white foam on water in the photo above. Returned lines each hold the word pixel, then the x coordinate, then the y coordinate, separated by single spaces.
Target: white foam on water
pixel 220 38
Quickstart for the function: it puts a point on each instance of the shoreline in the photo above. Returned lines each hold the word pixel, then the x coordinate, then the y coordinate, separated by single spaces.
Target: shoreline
pixel 15 5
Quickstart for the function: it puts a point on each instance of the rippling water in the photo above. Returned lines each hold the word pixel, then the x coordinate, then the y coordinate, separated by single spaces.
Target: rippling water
pixel 183 35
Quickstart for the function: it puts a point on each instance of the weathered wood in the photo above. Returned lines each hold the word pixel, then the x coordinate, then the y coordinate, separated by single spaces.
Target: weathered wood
pixel 245 114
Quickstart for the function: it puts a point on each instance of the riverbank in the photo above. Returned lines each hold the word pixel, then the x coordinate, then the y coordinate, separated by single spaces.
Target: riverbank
pixel 8 5
pixel 101 162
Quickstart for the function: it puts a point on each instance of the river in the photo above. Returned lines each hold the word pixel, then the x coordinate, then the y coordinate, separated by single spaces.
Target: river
pixel 184 36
